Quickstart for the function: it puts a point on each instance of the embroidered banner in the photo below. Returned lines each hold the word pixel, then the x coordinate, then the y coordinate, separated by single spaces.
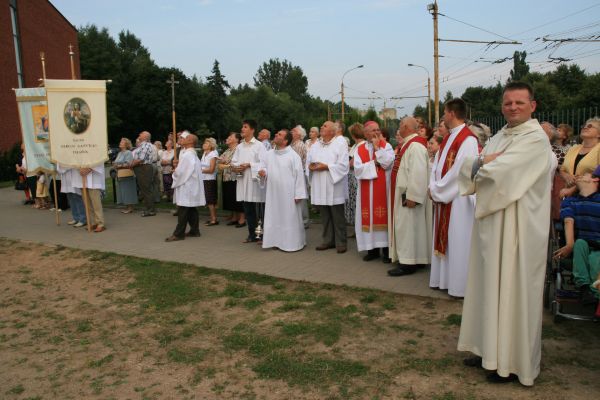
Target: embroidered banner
pixel 33 114
pixel 77 111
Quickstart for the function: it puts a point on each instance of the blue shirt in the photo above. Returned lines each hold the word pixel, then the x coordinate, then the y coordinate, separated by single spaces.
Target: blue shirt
pixel 586 213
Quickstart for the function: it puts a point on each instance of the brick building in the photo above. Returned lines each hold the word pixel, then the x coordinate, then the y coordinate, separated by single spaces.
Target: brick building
pixel 28 27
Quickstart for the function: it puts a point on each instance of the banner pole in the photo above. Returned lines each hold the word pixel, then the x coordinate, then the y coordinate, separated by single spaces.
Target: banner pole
pixel 54 174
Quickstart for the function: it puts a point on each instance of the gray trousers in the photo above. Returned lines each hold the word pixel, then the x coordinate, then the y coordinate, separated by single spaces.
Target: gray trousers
pixel 144 174
pixel 334 225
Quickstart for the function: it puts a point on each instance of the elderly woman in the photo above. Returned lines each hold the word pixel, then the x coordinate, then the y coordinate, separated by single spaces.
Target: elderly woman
pixel 208 163
pixel 229 182
pixel 562 144
pixel 126 183
pixel 581 157
pixel 166 165
pixel 313 136
pixel 357 132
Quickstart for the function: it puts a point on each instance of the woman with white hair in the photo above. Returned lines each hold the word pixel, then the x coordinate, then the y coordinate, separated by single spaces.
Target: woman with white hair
pixel 208 163
pixel 313 136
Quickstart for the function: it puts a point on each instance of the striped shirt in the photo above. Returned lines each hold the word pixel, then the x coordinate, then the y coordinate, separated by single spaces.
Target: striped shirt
pixel 586 213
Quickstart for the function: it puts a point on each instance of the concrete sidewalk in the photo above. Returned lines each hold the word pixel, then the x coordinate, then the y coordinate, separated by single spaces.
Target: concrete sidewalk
pixel 219 247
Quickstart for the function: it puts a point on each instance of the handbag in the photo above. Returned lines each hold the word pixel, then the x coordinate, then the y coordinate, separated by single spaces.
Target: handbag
pixel 124 173
pixel 20 183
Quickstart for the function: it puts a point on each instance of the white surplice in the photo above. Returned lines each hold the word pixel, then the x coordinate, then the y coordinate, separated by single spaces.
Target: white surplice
pixel 68 176
pixel 450 271
pixel 368 172
pixel 411 242
pixel 329 187
pixel 93 180
pixel 502 311
pixel 248 187
pixel 285 182
pixel 187 180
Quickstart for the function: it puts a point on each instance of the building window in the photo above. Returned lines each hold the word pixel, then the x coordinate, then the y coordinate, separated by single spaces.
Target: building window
pixel 16 41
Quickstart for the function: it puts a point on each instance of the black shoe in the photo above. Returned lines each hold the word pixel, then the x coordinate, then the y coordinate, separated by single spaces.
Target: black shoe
pixel 401 271
pixel 232 223
pixel 493 377
pixel 587 296
pixel 371 255
pixel 474 361
pixel 148 214
pixel 192 234
pixel 324 246
pixel 240 225
pixel 387 260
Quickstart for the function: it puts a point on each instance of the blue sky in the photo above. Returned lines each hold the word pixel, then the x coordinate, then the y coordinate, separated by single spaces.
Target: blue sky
pixel 328 37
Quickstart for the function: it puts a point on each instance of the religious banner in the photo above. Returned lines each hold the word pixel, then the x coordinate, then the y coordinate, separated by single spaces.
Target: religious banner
pixel 33 113
pixel 77 111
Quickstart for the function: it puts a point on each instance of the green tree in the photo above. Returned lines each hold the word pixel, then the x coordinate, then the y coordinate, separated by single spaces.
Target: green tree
pixel 218 104
pixel 520 67
pixel 282 76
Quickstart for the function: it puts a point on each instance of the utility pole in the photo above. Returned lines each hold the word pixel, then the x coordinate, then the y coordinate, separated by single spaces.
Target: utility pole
pixel 172 82
pixel 433 10
pixel 342 87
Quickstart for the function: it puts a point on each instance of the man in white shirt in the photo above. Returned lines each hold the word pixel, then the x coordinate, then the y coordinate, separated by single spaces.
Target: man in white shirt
pixel 246 161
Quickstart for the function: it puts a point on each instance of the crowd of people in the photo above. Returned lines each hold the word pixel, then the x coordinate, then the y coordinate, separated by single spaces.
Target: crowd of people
pixel 473 207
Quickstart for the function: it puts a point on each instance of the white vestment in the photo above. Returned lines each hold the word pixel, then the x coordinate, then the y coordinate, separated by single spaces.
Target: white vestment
pixel 449 271
pixel 411 242
pixel 285 181
pixel 248 187
pixel 368 172
pixel 187 180
pixel 67 177
pixel 93 180
pixel 502 311
pixel 329 187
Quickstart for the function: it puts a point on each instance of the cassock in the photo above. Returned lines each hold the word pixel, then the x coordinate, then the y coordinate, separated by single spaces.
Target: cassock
pixel 502 311
pixel 371 235
pixel 450 261
pixel 285 182
pixel 412 226
pixel 248 188
pixel 328 188
pixel 187 180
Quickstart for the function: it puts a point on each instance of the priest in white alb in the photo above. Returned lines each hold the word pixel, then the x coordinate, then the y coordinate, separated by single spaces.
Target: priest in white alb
pixel 410 216
pixel 327 166
pixel 511 180
pixel 453 214
pixel 284 176
pixel 188 189
pixel 373 162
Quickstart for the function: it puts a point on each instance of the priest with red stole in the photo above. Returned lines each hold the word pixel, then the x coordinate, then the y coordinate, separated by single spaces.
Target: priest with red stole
pixel 453 214
pixel 373 162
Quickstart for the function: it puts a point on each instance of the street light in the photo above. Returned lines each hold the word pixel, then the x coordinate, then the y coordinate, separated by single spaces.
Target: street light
pixel 351 69
pixel 428 90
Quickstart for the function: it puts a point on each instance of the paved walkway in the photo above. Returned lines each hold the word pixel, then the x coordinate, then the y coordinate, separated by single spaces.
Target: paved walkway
pixel 219 247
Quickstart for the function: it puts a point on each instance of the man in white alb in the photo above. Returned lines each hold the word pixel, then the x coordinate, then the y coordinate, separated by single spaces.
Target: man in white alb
pixel 511 180
pixel 327 168
pixel 284 176
pixel 453 214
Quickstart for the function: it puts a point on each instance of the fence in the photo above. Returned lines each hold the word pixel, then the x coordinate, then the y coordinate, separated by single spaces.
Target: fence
pixel 576 118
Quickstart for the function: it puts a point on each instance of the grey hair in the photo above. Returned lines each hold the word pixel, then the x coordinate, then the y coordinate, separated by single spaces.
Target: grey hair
pixel 302 131
pixel 553 129
pixel 212 142
pixel 482 131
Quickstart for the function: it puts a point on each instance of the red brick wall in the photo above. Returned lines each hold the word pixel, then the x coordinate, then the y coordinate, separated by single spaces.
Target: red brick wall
pixel 42 28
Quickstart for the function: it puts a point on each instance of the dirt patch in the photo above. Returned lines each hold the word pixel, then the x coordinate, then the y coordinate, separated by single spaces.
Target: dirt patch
pixel 77 324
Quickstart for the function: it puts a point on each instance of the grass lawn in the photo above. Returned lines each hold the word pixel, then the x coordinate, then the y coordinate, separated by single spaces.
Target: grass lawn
pixel 84 324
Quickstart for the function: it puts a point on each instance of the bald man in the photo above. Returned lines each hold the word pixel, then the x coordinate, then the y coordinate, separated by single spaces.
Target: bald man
pixel 143 159
pixel 410 220
pixel 189 189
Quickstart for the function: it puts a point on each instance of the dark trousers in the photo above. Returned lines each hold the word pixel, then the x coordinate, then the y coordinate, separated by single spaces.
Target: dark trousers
pixel 144 174
pixel 251 217
pixel 334 225
pixel 185 216
pixel 32 185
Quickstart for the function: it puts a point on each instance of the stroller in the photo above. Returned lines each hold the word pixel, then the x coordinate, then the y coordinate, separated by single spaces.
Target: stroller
pixel 560 293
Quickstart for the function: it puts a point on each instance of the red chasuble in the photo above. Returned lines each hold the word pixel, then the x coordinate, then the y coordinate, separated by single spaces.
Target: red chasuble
pixel 442 211
pixel 380 213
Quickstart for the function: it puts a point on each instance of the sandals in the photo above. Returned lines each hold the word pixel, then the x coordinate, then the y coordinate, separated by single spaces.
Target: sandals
pixel 211 223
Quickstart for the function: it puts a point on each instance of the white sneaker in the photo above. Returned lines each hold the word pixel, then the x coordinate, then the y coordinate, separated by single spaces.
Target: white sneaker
pixel 78 225
pixel 71 222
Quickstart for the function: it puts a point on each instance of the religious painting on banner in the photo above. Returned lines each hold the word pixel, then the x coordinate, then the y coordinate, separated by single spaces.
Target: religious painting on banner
pixel 77 111
pixel 33 115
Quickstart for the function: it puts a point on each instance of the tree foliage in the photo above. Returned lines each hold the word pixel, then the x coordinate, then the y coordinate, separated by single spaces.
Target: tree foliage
pixel 282 77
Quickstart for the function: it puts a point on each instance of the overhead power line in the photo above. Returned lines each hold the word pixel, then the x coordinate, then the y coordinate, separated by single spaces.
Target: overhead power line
pixel 476 27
